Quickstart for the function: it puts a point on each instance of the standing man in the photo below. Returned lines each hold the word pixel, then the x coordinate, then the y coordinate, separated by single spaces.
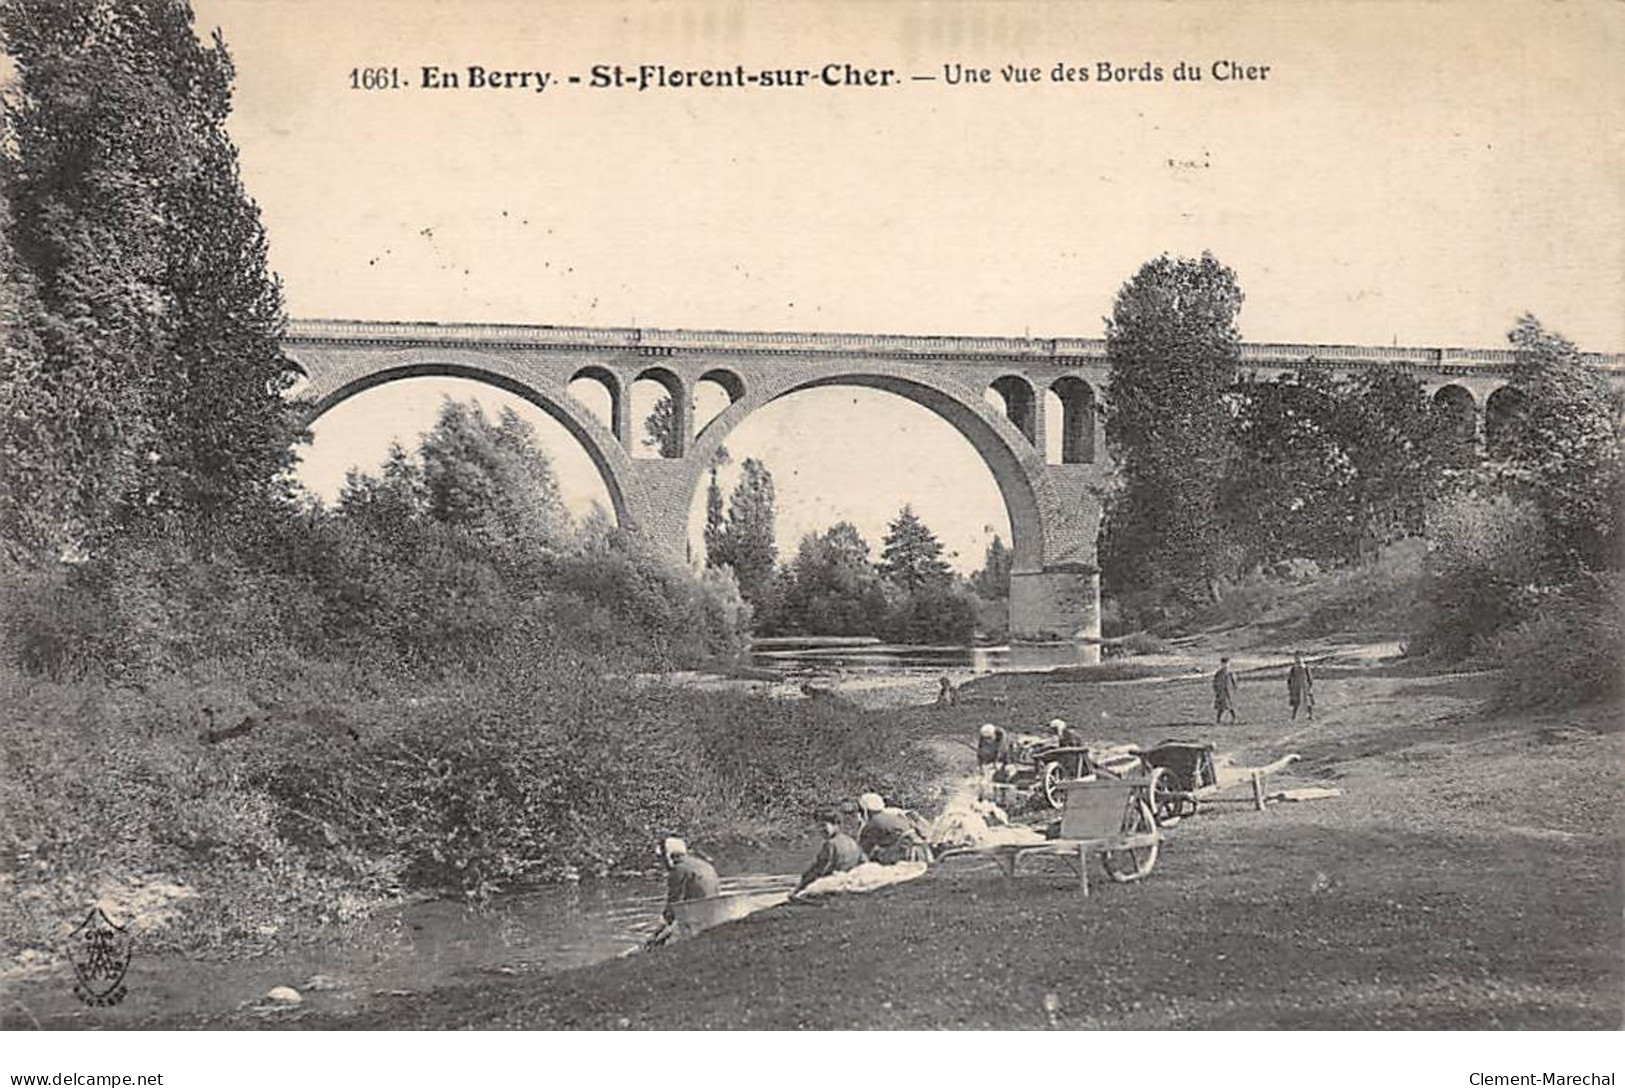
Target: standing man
pixel 838 854
pixel 1300 687
pixel 1224 692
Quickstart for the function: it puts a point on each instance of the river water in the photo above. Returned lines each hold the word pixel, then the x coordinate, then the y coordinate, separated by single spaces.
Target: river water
pixel 423 946
pixel 410 949
pixel 871 655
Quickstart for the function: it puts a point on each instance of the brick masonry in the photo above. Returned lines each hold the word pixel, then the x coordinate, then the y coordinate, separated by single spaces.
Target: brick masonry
pixel 1054 509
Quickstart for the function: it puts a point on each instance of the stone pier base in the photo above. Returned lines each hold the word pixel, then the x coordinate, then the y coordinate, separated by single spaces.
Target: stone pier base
pixel 1057 604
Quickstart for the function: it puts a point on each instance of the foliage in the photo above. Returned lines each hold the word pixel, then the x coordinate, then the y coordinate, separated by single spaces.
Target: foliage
pixel 747 542
pixel 1564 450
pixel 1484 550
pixel 831 588
pixel 339 798
pixel 992 582
pixel 1329 468
pixel 716 525
pixel 1521 551
pixel 1569 652
pixel 144 382
pixel 1280 491
pixel 421 568
pixel 933 614
pixel 662 431
pixel 1173 348
pixel 911 556
pixel 493 480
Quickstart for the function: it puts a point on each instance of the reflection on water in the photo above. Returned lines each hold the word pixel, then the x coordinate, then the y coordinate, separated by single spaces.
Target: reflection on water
pixel 795 655
pixel 814 654
pixel 411 949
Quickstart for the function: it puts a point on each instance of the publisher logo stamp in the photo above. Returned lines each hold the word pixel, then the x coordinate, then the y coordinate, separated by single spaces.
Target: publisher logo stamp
pixel 100 953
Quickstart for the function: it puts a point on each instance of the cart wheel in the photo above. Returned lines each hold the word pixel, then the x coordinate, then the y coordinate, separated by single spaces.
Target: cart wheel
pixel 1051 786
pixel 1162 792
pixel 1133 862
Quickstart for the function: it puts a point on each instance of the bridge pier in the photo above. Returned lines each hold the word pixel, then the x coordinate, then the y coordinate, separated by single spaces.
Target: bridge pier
pixel 1058 603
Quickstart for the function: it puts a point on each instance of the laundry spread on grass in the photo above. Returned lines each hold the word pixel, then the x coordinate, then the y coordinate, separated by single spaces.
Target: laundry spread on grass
pixel 867 877
pixel 1044 773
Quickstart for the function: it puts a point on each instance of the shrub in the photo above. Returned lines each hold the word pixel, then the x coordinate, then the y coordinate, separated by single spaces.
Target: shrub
pixel 1111 618
pixel 1570 652
pixel 932 614
pixel 1142 642
pixel 1479 574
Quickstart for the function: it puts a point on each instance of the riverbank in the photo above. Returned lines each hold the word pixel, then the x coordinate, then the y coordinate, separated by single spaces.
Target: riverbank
pixel 1468 877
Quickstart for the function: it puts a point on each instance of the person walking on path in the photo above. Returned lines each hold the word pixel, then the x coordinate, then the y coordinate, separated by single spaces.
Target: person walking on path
pixel 1300 687
pixel 1224 692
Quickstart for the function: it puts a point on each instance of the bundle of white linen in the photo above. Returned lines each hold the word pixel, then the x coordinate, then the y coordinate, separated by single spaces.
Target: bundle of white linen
pixel 864 878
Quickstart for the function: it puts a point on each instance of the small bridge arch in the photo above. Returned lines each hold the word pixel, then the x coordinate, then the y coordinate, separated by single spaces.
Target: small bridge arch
pixel 330 387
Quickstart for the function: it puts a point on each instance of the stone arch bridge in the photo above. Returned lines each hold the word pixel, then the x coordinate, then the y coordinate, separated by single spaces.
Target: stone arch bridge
pixel 992 390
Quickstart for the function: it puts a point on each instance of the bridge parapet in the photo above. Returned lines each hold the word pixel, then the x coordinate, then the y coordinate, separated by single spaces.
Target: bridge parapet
pixel 1064 351
pixel 1000 393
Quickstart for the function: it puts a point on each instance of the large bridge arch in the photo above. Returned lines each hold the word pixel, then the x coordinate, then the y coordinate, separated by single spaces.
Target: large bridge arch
pixel 1002 448
pixel 330 387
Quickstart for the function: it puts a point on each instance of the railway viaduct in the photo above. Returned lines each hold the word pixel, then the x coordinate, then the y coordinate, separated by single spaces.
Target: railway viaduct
pixel 992 390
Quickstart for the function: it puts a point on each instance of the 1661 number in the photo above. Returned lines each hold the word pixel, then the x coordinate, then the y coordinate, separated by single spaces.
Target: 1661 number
pixel 374 79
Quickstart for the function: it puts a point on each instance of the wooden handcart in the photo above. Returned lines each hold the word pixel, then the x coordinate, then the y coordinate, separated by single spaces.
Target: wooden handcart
pixel 1190 779
pixel 1110 818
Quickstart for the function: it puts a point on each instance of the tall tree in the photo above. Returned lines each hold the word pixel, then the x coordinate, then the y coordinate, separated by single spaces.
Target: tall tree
pixel 751 550
pixel 1280 494
pixel 716 525
pixel 1329 468
pixel 157 326
pixel 833 589
pixel 911 555
pixel 1394 444
pixel 992 582
pixel 1173 350
pixel 492 478
pixel 660 430
pixel 1565 449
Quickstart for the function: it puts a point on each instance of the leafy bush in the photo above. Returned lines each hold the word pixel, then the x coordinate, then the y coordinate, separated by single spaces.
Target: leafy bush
pixel 110 793
pixel 1141 642
pixel 932 614
pixel 1570 652
pixel 351 791
pixel 1485 553
pixel 1111 618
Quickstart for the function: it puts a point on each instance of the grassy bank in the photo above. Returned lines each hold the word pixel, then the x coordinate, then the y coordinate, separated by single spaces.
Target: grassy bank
pixel 1469 877
pixel 308 815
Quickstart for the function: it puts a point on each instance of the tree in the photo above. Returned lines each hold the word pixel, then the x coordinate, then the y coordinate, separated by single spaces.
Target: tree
pixel 1329 469
pixel 832 588
pixel 1564 453
pixel 716 525
pixel 150 366
pixel 750 548
pixel 911 555
pixel 1392 440
pixel 1173 350
pixel 992 582
pixel 1280 494
pixel 494 479
pixel 660 429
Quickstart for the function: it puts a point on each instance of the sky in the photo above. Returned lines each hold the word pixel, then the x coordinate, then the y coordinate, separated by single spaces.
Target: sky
pixel 1404 173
